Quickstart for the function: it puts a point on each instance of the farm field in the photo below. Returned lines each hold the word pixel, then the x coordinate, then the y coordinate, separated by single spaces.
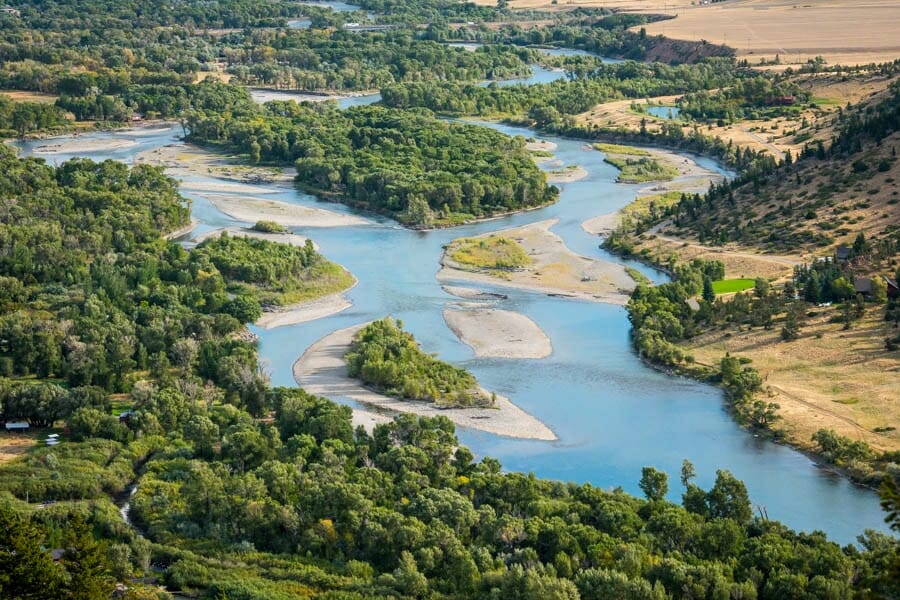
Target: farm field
pixel 840 32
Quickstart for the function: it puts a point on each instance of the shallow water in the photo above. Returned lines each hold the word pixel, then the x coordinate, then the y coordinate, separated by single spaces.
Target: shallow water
pixel 612 413
pixel 663 112
pixel 334 5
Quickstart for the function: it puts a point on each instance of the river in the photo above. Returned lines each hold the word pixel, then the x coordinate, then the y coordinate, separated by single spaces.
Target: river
pixel 613 414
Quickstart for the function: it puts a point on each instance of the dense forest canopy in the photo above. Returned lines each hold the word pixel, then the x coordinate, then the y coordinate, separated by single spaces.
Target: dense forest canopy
pixel 136 349
pixel 406 164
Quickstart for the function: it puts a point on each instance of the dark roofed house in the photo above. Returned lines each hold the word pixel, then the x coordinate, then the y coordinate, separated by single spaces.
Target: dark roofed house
pixel 893 291
pixel 842 253
pixel 862 285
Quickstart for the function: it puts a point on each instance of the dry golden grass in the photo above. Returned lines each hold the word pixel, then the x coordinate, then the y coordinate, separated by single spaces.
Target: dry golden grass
pixel 829 378
pixel 841 32
pixel 739 263
pixel 14 445
pixel 775 136
pixel 23 96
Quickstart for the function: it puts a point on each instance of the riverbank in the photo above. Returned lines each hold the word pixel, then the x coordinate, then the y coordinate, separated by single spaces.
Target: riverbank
pixel 692 178
pixel 496 333
pixel 305 311
pixel 321 370
pixel 554 269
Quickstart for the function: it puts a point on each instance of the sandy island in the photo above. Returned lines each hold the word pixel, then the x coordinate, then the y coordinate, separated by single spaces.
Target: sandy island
pixel 498 333
pixel 251 210
pixel 262 95
pixel 541 146
pixel 555 269
pixel 322 371
pixel 77 145
pixel 567 174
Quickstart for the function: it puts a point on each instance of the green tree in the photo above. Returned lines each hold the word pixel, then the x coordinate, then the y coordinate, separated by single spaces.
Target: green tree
pixel 728 498
pixel 654 484
pixel 709 295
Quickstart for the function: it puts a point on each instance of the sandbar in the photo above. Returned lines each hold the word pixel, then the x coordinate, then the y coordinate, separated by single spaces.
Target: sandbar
pixel 187 161
pixel 472 293
pixel 305 311
pixel 498 333
pixel 322 371
pixel 602 225
pixel 225 187
pixel 541 146
pixel 80 146
pixel 262 96
pixel 555 269
pixel 251 210
pixel 567 175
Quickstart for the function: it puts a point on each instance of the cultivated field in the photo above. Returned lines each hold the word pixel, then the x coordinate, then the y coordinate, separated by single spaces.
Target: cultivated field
pixel 841 32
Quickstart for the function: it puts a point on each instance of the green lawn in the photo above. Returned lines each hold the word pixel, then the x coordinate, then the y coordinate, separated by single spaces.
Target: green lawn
pixel 727 286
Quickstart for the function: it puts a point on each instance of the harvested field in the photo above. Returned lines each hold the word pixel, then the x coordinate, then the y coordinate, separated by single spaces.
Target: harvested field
pixel 840 32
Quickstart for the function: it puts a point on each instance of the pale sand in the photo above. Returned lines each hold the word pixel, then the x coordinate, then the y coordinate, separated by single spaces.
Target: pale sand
pixel 155 129
pixel 322 371
pixel 263 95
pixel 251 210
pixel 471 293
pixel 498 333
pixel 185 161
pixel 541 146
pixel 567 175
pixel 602 225
pixel 305 311
pixel 291 239
pixel 228 188
pixel 72 146
pixel 555 269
